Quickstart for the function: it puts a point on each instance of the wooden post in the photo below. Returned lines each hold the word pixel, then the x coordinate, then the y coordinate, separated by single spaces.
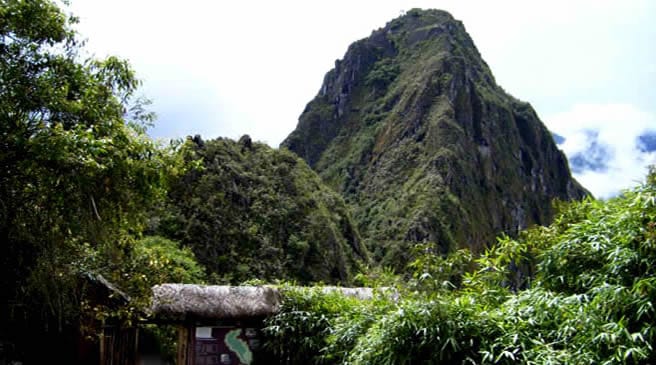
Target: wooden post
pixel 134 356
pixel 185 345
pixel 102 343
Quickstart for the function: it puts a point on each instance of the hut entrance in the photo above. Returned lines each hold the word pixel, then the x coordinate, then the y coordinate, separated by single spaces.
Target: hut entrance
pixel 221 325
pixel 218 325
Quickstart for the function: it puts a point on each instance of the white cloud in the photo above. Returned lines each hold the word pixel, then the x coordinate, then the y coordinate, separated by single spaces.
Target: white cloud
pixel 618 126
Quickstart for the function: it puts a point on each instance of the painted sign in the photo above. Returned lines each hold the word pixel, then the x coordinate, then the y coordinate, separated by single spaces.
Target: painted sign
pixel 226 345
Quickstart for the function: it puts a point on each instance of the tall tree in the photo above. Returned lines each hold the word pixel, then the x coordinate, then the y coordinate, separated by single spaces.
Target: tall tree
pixel 77 172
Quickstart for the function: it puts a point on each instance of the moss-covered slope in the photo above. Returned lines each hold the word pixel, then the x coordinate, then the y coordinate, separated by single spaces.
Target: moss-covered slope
pixel 254 212
pixel 412 128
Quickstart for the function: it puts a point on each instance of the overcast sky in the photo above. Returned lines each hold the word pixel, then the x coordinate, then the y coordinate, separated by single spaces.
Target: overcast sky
pixel 228 68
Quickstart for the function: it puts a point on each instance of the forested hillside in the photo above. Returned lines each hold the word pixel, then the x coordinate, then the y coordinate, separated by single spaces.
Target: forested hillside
pixel 251 212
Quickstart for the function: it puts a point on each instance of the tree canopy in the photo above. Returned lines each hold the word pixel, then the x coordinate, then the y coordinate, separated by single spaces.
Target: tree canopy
pixel 77 172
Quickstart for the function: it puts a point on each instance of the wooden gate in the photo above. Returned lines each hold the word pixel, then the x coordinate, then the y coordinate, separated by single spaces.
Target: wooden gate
pixel 118 346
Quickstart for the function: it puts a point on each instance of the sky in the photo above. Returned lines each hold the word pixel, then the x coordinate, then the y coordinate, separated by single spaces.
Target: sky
pixel 228 68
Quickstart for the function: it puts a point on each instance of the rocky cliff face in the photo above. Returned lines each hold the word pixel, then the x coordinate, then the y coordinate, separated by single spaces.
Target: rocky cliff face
pixel 414 131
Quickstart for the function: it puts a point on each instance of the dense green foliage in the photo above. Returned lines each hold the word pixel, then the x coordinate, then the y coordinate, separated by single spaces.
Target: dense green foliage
pixel 78 177
pixel 158 260
pixel 252 212
pixel 580 291
pixel 412 129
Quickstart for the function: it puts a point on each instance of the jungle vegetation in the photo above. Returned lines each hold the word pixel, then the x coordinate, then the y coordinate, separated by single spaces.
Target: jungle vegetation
pixel 579 291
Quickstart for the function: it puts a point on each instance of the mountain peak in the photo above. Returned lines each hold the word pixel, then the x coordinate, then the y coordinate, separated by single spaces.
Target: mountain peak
pixel 411 127
pixel 418 25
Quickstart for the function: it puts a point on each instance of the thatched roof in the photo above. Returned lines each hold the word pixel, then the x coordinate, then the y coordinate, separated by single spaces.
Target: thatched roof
pixel 189 301
pixel 104 289
pixel 359 293
pixel 181 301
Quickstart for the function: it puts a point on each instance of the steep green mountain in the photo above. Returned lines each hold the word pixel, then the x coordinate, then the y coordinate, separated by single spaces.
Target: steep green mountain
pixel 411 127
pixel 252 212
